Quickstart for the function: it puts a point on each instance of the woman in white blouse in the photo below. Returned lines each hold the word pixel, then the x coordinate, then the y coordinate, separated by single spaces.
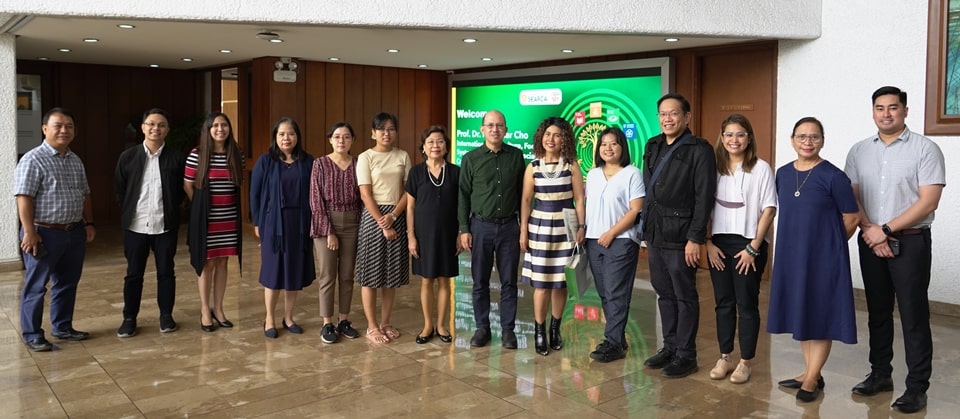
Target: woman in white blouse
pixel 737 246
pixel 614 198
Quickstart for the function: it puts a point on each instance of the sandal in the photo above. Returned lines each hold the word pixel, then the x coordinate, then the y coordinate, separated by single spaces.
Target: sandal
pixel 391 332
pixel 376 336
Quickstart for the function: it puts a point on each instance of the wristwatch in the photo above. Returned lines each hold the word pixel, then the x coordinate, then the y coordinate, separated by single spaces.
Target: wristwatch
pixel 886 230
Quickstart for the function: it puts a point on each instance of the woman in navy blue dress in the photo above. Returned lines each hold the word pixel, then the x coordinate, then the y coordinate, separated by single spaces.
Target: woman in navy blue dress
pixel 280 208
pixel 811 294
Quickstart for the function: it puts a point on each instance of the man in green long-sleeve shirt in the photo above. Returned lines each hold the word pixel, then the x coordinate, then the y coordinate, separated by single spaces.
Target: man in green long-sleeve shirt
pixel 491 178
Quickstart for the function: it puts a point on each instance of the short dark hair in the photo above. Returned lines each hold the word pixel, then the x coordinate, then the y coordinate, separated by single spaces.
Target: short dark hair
pixel 275 151
pixel 621 139
pixel 380 120
pixel 684 103
pixel 338 125
pixel 443 132
pixel 890 90
pixel 59 110
pixel 156 111
pixel 804 120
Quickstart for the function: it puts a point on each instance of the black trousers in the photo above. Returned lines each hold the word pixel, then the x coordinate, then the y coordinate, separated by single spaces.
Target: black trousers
pixel 737 294
pixel 677 298
pixel 905 278
pixel 136 248
pixel 500 244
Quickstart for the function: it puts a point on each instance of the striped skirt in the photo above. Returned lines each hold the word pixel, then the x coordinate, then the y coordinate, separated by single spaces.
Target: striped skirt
pixel 382 263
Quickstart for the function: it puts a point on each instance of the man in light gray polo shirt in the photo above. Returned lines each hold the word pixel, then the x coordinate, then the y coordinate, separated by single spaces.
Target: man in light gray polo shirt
pixel 898 177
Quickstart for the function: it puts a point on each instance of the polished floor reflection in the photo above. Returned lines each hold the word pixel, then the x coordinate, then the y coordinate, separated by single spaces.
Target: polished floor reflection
pixel 238 373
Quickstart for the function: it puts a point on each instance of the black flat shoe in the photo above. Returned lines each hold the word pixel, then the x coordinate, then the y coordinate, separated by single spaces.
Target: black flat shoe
pixel 271 333
pixel 293 328
pixel 39 345
pixel 70 334
pixel 793 383
pixel 424 339
pixel 225 323
pixel 208 328
pixel 808 396
pixel 445 338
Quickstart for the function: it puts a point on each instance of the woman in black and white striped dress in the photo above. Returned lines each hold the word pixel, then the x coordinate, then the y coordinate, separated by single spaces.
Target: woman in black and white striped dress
pixel 383 259
pixel 555 183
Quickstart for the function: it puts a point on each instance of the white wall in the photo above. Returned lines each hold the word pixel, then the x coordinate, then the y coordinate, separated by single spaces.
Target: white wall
pixel 866 44
pixel 9 249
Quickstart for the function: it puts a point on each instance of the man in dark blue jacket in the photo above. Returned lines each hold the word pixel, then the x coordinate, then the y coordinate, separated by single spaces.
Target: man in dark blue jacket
pixel 149 186
pixel 678 208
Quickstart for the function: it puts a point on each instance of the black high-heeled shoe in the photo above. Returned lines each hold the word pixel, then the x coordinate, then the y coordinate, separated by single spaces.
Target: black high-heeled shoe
pixel 445 338
pixel 207 328
pixel 424 339
pixel 540 338
pixel 225 323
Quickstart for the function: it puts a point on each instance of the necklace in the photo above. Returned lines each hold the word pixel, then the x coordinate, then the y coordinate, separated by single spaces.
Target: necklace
pixel 799 183
pixel 443 170
pixel 551 174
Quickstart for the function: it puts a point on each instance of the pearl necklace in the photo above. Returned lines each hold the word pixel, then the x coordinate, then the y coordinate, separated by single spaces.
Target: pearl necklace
pixel 443 170
pixel 551 174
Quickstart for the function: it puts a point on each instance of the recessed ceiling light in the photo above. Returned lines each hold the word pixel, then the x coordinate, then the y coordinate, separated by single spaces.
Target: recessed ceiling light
pixel 567 51
pixel 226 51
pixel 186 59
pixel 671 39
pixel 154 65
pixel 334 58
pixel 393 50
pixel 125 26
pixel 42 58
pixel 91 40
pixel 469 40
pixel 486 59
pixel 422 65
pixel 276 41
pixel 64 50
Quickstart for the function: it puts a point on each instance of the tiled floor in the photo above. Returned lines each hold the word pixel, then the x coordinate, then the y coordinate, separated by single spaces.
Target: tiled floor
pixel 239 373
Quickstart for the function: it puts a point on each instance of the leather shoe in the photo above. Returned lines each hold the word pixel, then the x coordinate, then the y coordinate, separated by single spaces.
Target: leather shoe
pixel 445 338
pixel 873 384
pixel 508 339
pixel 271 333
pixel 680 367
pixel 808 396
pixel 207 327
pixel 480 338
pixel 70 334
pixel 793 383
pixel 39 344
pixel 663 358
pixel 911 401
pixel 422 340
pixel 225 323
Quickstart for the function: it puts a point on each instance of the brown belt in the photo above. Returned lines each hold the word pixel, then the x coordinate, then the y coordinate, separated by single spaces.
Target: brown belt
pixel 911 231
pixel 61 227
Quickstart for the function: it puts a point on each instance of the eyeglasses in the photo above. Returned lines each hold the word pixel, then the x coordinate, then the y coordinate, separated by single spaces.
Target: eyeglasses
pixel 672 114
pixel 342 137
pixel 434 142
pixel 390 129
pixel 160 125
pixel 494 126
pixel 740 135
pixel 813 138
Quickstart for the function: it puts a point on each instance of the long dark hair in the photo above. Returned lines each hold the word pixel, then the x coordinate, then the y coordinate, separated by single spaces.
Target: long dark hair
pixel 205 151
pixel 749 155
pixel 567 151
pixel 275 151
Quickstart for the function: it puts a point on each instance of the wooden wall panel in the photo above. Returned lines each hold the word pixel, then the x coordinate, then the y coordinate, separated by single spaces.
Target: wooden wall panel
pixel 353 107
pixel 108 102
pixel 314 123
pixel 407 109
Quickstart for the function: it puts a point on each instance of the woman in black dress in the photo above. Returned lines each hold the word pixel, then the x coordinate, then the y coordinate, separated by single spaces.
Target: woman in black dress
pixel 432 229
pixel 280 208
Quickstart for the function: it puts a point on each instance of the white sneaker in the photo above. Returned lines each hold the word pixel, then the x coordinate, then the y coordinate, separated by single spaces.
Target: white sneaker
pixel 741 374
pixel 723 367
